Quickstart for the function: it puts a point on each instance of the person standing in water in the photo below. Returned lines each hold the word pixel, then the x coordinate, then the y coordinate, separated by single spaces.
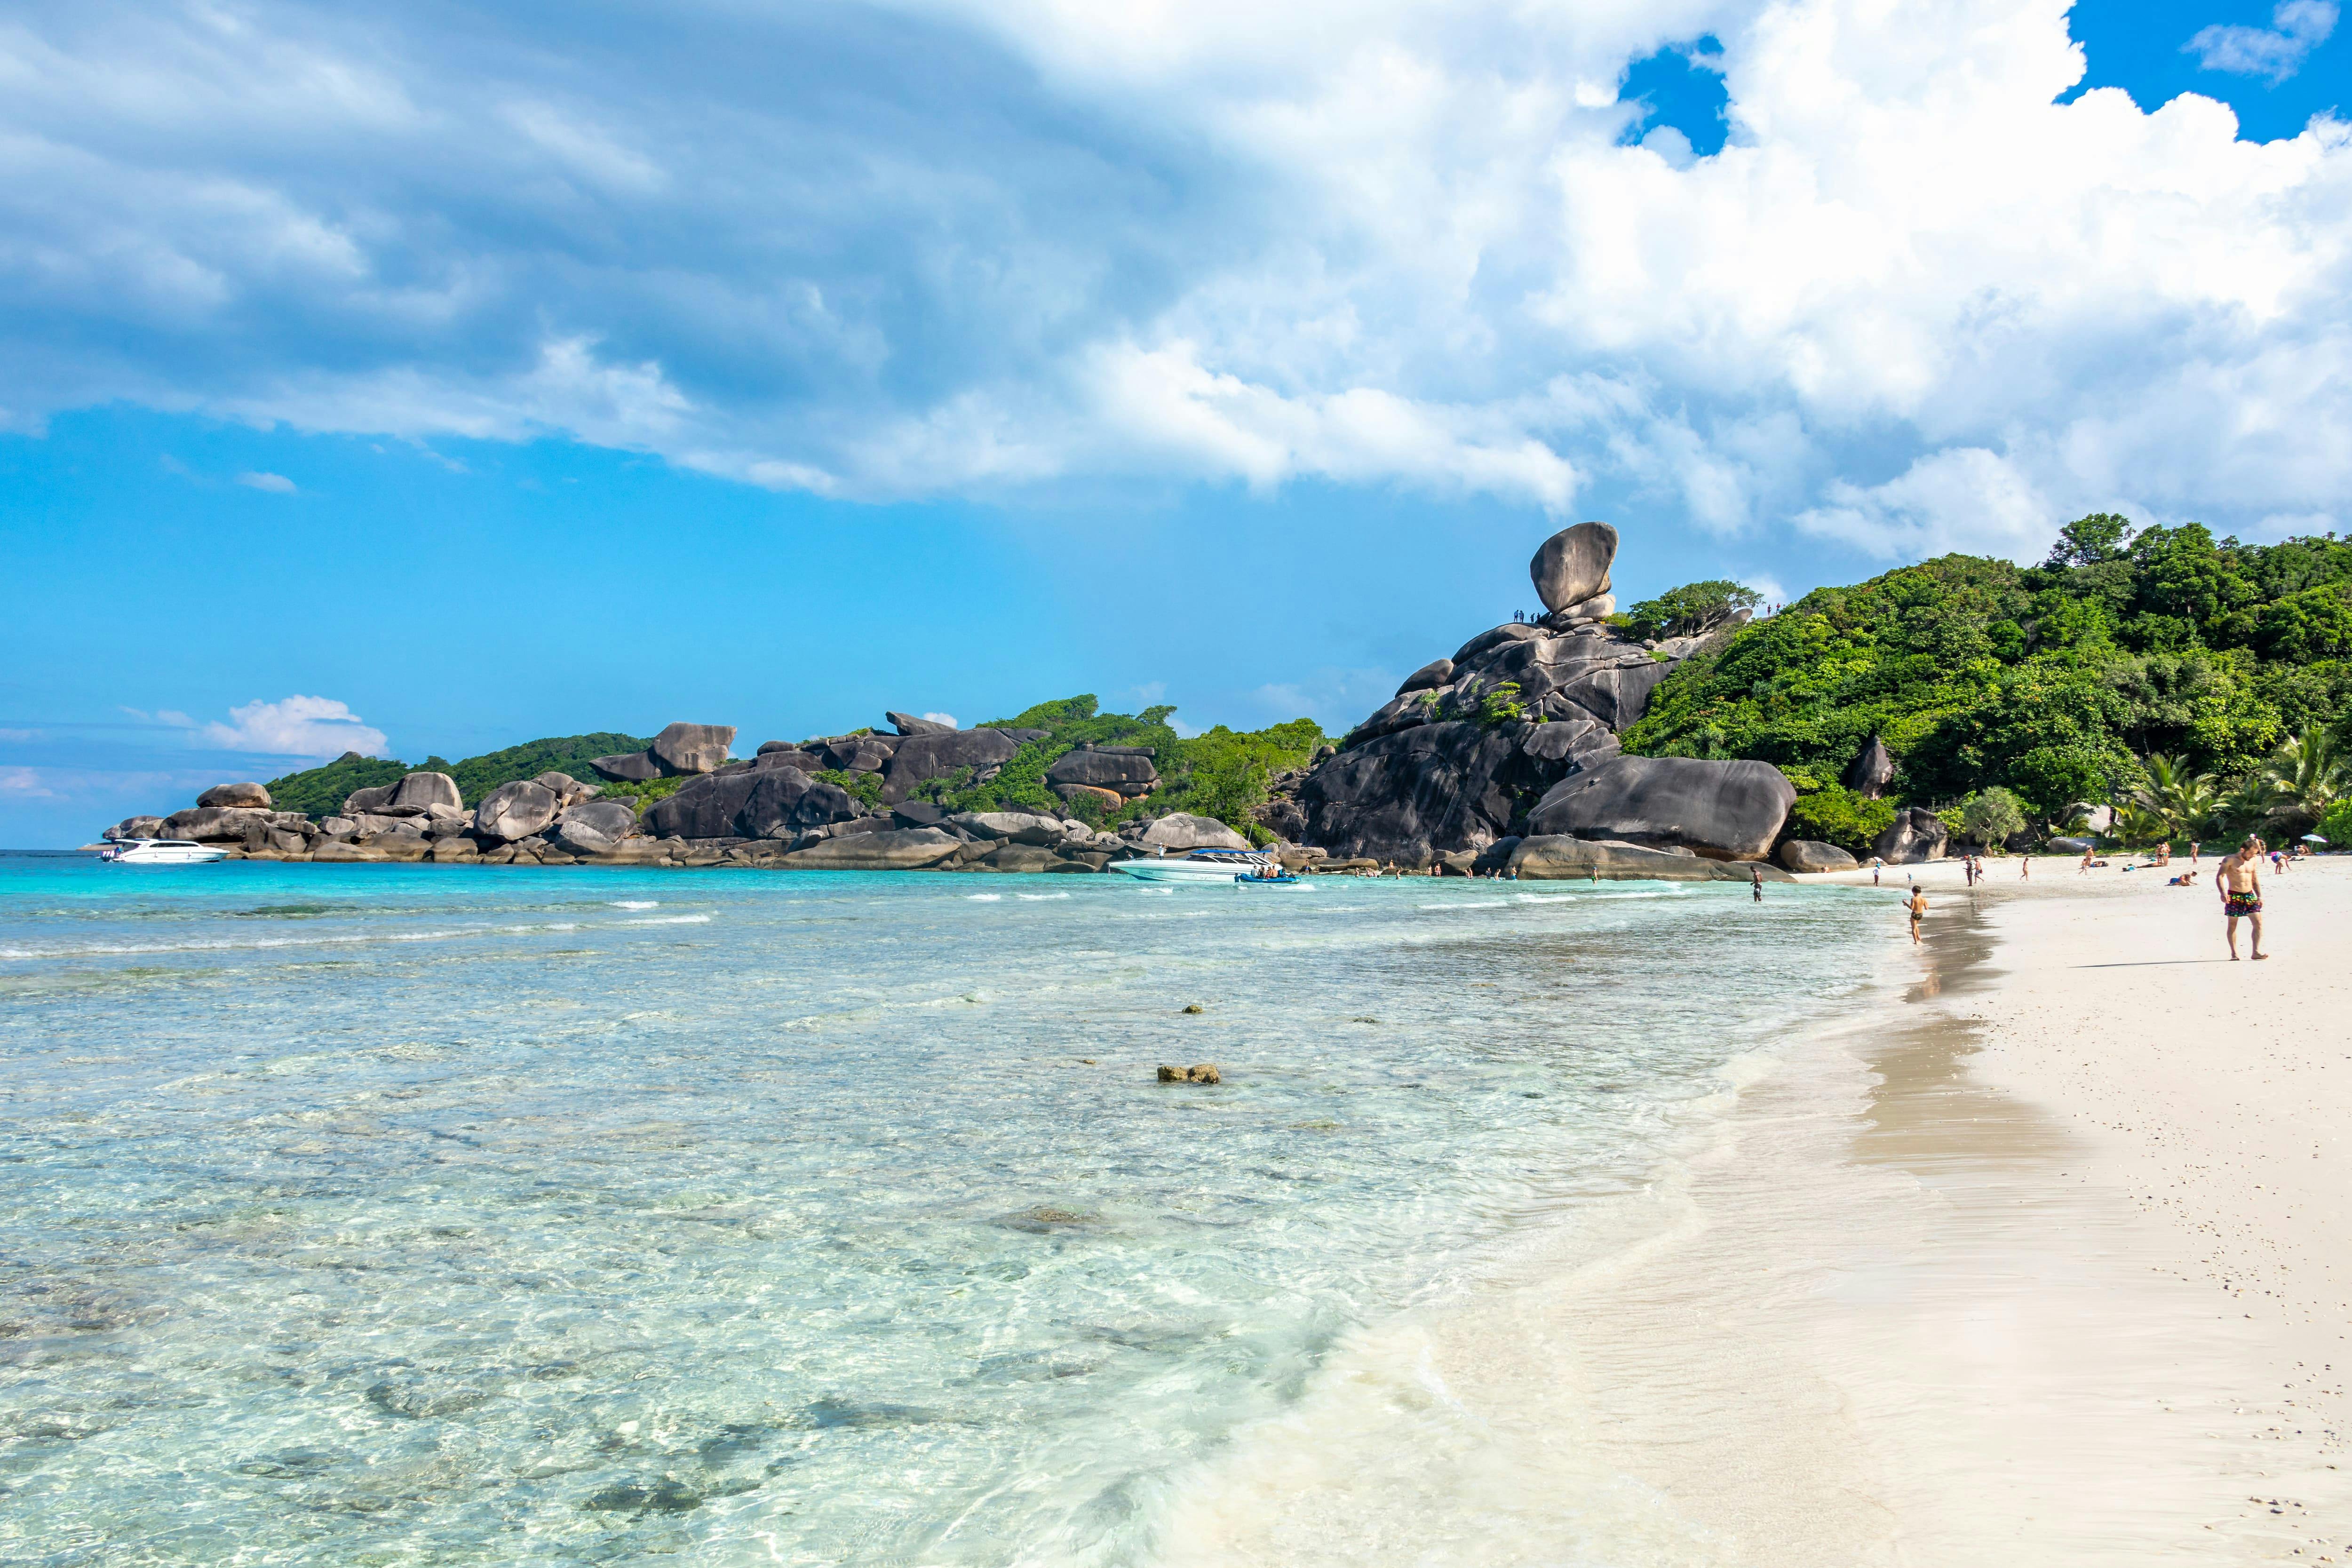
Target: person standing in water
pixel 2239 880
pixel 1755 881
pixel 1918 909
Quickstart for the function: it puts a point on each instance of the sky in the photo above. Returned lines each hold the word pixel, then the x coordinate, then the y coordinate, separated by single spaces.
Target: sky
pixel 424 379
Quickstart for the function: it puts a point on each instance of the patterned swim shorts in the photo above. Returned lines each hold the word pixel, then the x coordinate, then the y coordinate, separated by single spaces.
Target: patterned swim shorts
pixel 2242 904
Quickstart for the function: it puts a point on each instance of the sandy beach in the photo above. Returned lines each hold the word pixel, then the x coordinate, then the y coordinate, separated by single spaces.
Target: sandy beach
pixel 2043 1260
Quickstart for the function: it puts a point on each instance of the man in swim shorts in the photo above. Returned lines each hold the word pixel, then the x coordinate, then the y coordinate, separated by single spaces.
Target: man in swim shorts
pixel 2239 880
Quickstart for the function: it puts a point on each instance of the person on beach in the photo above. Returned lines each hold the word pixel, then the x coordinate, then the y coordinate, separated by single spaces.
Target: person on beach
pixel 2024 866
pixel 1874 864
pixel 2239 881
pixel 2192 854
pixel 1755 881
pixel 1918 910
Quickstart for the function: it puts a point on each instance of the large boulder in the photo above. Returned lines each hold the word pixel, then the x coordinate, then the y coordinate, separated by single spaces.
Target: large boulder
pixel 219 825
pixel 1102 769
pixel 1020 856
pixel 1616 694
pixel 689 749
pixel 1554 858
pixel 807 761
pixel 1487 641
pixel 235 794
pixel 568 789
pixel 134 828
pixel 1180 830
pixel 893 850
pixel 521 809
pixel 908 724
pixel 1420 792
pixel 1811 855
pixel 1436 673
pixel 419 793
pixel 1573 564
pixel 753 802
pixel 942 754
pixel 859 753
pixel 627 767
pixel 1019 826
pixel 1871 770
pixel 1567 746
pixel 594 827
pixel 1915 835
pixel 914 814
pixel 1724 811
pixel 375 797
pixel 2070 845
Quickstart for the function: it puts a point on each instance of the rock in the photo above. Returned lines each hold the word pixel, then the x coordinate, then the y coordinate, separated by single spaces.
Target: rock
pixel 567 789
pixel 1487 641
pixel 917 814
pixel 338 828
pixel 627 767
pixel 234 794
pixel 373 798
pixel 419 793
pixel 1871 770
pixel 908 724
pixel 1284 818
pixel 1725 811
pixel 1179 830
pixel 517 810
pixel 688 748
pixel 807 761
pixel 1017 856
pixel 447 851
pixel 1617 695
pixel 1021 737
pixel 920 758
pixel 1203 1072
pixel 1436 673
pixel 2070 845
pixel 1495 857
pixel 1811 855
pixel 768 746
pixel 369 827
pixel 1416 792
pixel 1557 857
pixel 218 824
pixel 751 803
pixel 1915 835
pixel 2097 819
pixel 135 827
pixel 858 753
pixel 1020 826
pixel 595 827
pixel 894 849
pixel 1573 564
pixel 333 852
pixel 1103 768
pixel 1567 746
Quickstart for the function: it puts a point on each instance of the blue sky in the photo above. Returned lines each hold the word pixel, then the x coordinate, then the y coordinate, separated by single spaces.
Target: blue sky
pixel 429 380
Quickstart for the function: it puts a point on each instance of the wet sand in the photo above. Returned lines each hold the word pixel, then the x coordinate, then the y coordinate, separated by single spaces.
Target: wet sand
pixel 2043 1260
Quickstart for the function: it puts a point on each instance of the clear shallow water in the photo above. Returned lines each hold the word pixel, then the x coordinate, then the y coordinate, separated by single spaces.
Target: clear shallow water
pixel 408 1214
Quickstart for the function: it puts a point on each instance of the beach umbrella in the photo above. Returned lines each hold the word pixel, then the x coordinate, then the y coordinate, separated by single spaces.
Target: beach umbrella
pixel 2313 838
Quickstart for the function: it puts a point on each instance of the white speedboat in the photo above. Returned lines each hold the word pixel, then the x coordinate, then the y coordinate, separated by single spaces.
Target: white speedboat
pixel 1214 866
pixel 161 852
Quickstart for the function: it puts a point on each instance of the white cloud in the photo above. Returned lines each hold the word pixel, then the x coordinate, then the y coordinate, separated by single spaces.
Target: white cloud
pixel 26 784
pixel 2298 28
pixel 1359 242
pixel 276 484
pixel 947 719
pixel 294 727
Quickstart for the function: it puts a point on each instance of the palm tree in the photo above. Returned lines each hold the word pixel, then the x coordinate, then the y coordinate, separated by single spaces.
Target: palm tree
pixel 2185 800
pixel 2304 777
pixel 2136 823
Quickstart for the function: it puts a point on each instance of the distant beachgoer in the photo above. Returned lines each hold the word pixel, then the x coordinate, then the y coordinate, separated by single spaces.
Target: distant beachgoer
pixel 2240 882
pixel 2192 852
pixel 2088 862
pixel 1919 909
pixel 1874 864
pixel 2024 867
pixel 1756 880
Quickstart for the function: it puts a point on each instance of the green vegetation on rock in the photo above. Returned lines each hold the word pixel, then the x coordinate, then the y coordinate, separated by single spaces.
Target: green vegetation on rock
pixel 477 776
pixel 1687 611
pixel 2058 683
pixel 320 791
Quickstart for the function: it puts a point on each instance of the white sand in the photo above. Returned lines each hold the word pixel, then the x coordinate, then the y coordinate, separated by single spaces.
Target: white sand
pixel 2044 1262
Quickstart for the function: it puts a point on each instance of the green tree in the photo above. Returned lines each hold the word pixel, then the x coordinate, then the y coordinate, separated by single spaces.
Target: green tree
pixel 1992 815
pixel 2305 779
pixel 2087 540
pixel 2186 800
pixel 1691 609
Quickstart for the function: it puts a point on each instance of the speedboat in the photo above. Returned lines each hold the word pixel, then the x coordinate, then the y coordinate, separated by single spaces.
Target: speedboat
pixel 161 852
pixel 1221 866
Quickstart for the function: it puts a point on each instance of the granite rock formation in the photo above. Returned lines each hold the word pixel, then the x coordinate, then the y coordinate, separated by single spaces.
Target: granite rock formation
pixel 1723 811
pixel 1917 835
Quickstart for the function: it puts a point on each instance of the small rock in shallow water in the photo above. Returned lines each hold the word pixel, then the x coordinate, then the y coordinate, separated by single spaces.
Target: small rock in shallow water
pixel 1206 1072
pixel 1192 1007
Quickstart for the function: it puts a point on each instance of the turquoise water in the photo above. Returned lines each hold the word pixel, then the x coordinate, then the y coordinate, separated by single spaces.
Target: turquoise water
pixel 439 1215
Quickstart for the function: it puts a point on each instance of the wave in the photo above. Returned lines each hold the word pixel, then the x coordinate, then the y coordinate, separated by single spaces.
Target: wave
pixel 636 903
pixel 985 898
pixel 1040 898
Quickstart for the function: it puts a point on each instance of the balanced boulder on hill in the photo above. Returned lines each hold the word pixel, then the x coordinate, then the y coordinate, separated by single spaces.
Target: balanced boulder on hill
pixel 235 794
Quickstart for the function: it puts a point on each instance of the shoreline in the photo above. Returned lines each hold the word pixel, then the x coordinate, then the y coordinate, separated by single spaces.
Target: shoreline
pixel 1943 1284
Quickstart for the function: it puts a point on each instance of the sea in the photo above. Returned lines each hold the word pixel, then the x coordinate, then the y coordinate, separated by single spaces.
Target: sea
pixel 386 1214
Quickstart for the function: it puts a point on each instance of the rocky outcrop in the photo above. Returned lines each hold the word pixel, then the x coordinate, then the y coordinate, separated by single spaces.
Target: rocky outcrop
pixel 1414 794
pixel 1125 771
pixel 1180 830
pixel 1554 858
pixel 2070 845
pixel 373 798
pixel 749 803
pixel 942 754
pixel 627 767
pixel 1723 811
pixel 1572 566
pixel 908 724
pixel 517 810
pixel 235 794
pixel 1811 855
pixel 1917 835
pixel 418 793
pixel 595 827
pixel 894 849
pixel 857 753
pixel 567 789
pixel 131 828
pixel 1871 770
pixel 683 750
pixel 1437 672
